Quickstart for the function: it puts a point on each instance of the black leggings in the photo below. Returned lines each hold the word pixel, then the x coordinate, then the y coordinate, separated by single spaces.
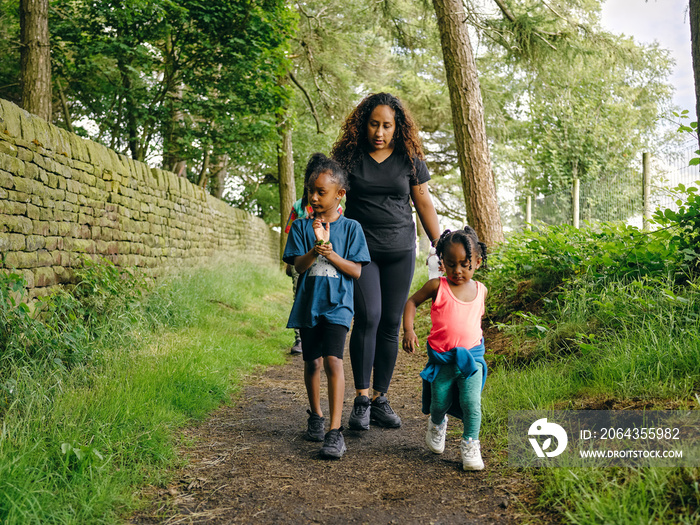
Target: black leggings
pixel 380 297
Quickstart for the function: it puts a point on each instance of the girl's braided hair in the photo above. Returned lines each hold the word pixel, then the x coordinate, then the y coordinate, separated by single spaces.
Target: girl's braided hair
pixel 353 140
pixel 319 163
pixel 468 238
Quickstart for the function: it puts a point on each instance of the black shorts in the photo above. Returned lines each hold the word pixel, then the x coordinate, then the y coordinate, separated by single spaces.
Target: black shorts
pixel 324 339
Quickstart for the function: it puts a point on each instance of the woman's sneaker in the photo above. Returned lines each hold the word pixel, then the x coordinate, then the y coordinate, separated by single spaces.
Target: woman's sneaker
pixel 471 454
pixel 315 427
pixel 359 417
pixel 381 414
pixel 333 444
pixel 435 436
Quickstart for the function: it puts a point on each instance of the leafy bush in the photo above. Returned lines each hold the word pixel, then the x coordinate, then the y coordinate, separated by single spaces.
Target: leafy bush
pixel 41 337
pixel 78 442
pixel 63 329
pixel 527 272
pixel 684 226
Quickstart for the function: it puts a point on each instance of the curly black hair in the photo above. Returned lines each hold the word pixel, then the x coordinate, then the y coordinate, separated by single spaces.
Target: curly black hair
pixel 353 140
pixel 319 163
pixel 468 238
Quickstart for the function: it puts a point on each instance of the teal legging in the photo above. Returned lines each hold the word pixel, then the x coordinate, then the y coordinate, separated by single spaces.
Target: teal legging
pixel 469 397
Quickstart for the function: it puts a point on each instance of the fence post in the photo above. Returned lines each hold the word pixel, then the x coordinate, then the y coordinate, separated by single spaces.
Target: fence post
pixel 646 191
pixel 528 213
pixel 575 202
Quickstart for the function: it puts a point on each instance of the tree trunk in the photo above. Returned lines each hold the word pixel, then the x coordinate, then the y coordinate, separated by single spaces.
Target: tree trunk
pixel 694 13
pixel 285 170
pixel 172 155
pixel 204 172
pixel 220 172
pixel 35 57
pixel 468 120
pixel 64 107
pixel 129 107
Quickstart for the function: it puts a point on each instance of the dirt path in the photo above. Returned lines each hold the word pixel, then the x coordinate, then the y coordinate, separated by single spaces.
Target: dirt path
pixel 250 464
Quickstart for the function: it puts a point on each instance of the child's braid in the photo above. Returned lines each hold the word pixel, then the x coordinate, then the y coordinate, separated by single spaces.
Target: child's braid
pixel 467 237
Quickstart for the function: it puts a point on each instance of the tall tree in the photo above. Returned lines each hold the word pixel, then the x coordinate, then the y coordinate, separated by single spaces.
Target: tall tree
pixel 10 71
pixel 478 182
pixel 196 79
pixel 694 12
pixel 35 57
pixel 567 100
pixel 285 170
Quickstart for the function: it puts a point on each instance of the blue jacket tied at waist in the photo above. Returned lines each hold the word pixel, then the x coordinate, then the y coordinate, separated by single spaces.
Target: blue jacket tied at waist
pixel 465 359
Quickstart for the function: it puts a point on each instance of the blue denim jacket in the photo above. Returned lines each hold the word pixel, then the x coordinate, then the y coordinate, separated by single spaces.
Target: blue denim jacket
pixel 465 359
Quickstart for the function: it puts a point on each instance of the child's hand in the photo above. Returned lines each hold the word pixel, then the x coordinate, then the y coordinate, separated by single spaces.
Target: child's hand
pixel 410 341
pixel 324 249
pixel 322 234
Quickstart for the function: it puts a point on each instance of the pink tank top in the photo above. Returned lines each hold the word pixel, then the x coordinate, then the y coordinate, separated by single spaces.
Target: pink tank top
pixel 456 323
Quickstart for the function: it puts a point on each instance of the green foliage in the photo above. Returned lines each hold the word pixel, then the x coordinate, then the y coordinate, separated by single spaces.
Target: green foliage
pixel 156 73
pixel 77 443
pixel 605 340
pixel 565 99
pixel 624 496
pixel 684 225
pixel 10 50
pixel 28 341
pixel 104 290
pixel 531 267
pixel 65 329
pixel 601 317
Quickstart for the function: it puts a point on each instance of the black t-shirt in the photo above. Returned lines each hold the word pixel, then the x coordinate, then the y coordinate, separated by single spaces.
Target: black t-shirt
pixel 379 198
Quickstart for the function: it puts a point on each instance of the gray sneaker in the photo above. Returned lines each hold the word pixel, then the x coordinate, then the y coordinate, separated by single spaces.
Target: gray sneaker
pixel 315 427
pixel 359 417
pixel 381 414
pixel 333 444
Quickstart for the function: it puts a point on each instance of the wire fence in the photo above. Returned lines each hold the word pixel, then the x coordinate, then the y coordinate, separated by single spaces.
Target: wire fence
pixel 674 170
pixel 617 197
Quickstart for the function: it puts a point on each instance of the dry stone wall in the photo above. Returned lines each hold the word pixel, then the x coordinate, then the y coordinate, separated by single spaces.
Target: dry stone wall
pixel 63 198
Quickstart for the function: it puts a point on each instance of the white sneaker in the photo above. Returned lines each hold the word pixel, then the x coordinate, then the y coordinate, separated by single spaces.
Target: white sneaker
pixel 435 436
pixel 471 454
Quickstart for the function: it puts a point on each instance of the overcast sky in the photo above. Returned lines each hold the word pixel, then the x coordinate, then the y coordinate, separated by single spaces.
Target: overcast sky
pixel 663 21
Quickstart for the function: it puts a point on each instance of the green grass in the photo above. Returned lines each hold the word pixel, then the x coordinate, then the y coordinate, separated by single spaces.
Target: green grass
pixel 78 442
pixel 637 341
pixel 76 446
pixel 624 496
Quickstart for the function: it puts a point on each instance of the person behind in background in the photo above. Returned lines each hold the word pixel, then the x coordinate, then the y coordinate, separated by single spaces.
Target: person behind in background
pixel 380 148
pixel 328 251
pixel 300 210
pixel 454 376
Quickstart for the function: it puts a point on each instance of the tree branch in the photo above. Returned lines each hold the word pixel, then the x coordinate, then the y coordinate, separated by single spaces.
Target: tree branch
pixel 64 106
pixel 504 9
pixel 310 102
pixel 511 17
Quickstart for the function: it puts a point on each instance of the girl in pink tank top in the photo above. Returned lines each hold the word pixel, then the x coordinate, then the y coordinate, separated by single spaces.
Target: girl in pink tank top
pixel 456 370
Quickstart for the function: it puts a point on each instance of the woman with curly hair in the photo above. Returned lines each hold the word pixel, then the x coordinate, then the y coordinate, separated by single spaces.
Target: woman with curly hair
pixel 380 149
